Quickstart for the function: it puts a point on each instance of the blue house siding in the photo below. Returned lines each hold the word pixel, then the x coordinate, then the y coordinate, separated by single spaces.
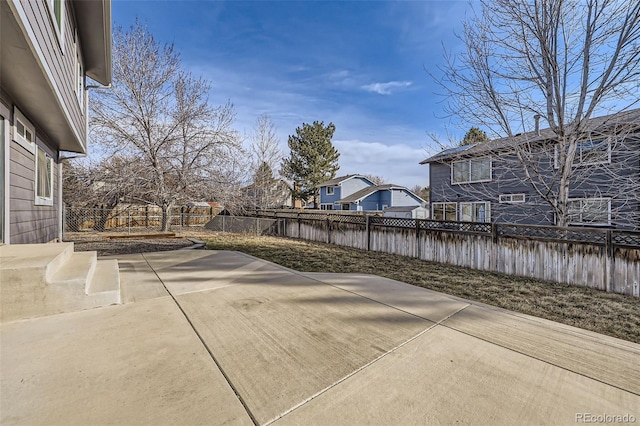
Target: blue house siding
pixel 342 190
pixel 330 198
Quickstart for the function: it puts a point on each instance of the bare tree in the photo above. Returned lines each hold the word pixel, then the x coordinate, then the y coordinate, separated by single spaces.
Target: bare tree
pixel 265 157
pixel 160 115
pixel 563 62
pixel 377 180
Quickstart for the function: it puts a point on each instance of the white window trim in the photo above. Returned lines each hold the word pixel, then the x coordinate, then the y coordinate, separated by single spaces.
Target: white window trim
pixel 330 190
pixel 444 210
pixel 508 198
pixel 472 181
pixel 578 155
pixel 21 140
pixel 608 200
pixel 323 206
pixel 59 30
pixel 79 73
pixel 487 210
pixel 43 201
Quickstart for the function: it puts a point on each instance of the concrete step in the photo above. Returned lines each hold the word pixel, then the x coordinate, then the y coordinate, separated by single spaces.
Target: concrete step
pixel 77 271
pixel 104 286
pixel 25 272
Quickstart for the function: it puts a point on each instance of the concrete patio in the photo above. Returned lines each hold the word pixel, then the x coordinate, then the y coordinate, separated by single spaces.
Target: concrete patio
pixel 214 337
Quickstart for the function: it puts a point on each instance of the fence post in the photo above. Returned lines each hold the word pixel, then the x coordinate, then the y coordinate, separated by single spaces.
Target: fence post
pixel 223 220
pixel 181 221
pixel 328 231
pixel 611 262
pixel 418 249
pixel 299 224
pixel 368 229
pixel 128 222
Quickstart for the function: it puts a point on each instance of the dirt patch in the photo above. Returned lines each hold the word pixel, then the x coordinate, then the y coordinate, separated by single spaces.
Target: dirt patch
pixel 106 246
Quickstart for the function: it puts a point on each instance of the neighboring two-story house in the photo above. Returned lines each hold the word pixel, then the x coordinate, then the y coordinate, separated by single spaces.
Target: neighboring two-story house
pixel 488 182
pixel 48 49
pixel 357 193
pixel 341 187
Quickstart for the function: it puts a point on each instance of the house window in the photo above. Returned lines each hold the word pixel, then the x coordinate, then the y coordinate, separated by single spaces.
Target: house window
pixel 589 152
pixel 44 178
pixel 511 198
pixel 56 9
pixel 329 190
pixel 591 211
pixel 23 131
pixel 326 206
pixel 444 211
pixel 475 211
pixel 470 171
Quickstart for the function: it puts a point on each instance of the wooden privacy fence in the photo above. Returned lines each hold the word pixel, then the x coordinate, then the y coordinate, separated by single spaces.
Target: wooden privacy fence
pixel 605 259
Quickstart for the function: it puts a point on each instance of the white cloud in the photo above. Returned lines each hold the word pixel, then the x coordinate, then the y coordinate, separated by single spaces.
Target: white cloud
pixel 396 163
pixel 385 88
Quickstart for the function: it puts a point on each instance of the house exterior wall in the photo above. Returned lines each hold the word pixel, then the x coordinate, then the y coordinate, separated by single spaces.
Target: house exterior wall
pixel 59 54
pixel 353 185
pixel 376 201
pixel 589 181
pixel 343 190
pixel 400 197
pixel 330 198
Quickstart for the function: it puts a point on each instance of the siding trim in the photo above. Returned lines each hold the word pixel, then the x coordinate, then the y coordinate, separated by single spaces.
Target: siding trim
pixel 23 22
pixel 4 112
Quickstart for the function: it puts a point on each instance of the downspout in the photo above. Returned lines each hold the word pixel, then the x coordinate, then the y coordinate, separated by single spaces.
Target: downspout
pixel 60 209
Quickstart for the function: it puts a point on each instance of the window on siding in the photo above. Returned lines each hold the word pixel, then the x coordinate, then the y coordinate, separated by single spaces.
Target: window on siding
pixel 444 211
pixel 470 171
pixel 326 206
pixel 23 131
pixel 44 178
pixel 592 211
pixel 478 211
pixel 511 198
pixel 56 9
pixel 589 152
pixel 329 190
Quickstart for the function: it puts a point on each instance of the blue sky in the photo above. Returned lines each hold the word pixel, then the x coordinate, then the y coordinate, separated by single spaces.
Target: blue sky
pixel 358 64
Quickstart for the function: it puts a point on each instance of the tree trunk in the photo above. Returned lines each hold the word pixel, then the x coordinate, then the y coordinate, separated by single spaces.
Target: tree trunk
pixel 166 218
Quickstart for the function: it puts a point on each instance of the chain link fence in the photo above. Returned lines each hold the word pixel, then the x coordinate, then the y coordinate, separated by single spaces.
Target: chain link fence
pixel 133 220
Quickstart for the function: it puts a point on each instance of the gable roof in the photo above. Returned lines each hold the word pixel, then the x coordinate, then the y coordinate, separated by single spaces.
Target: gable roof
pixel 365 192
pixel 603 124
pixel 339 180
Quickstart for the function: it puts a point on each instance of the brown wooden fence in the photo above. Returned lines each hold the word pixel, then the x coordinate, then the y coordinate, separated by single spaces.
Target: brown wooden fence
pixel 605 259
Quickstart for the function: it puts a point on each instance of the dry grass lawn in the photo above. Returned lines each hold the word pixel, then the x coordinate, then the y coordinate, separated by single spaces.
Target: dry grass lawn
pixel 612 314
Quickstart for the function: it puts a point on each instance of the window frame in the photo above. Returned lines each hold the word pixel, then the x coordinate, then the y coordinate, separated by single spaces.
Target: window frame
pixel 43 200
pixel 79 74
pixel 472 210
pixel 469 168
pixel 57 21
pixel 444 210
pixel 508 198
pixel 326 206
pixel 330 190
pixel 578 158
pixel 581 222
pixel 21 139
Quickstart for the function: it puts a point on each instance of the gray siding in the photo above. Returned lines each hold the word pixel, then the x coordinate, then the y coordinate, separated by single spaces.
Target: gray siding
pixel 400 197
pixel 608 180
pixel 30 223
pixel 352 185
pixel 59 56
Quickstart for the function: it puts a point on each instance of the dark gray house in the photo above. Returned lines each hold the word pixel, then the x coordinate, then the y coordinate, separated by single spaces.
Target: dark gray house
pixel 49 48
pixel 513 180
